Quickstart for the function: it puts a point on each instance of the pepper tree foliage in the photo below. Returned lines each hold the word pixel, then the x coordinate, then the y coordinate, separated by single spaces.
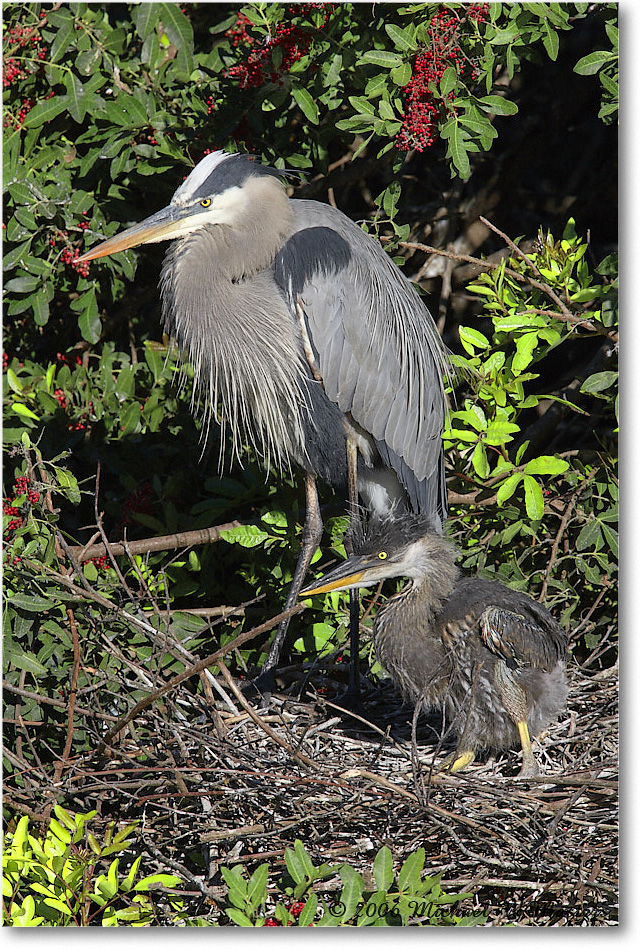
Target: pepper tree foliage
pixel 105 109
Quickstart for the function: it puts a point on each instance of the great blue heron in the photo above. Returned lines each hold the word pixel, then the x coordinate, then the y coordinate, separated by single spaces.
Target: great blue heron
pixel 492 657
pixel 317 348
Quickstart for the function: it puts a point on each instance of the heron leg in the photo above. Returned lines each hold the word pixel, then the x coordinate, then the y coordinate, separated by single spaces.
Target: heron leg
pixel 529 767
pixel 353 682
pixel 312 531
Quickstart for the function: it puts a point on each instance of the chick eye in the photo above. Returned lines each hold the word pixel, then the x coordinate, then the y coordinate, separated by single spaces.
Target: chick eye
pixel 206 202
pixel 382 555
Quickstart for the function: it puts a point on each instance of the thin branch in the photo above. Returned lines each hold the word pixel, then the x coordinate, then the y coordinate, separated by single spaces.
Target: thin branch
pixel 197 667
pixel 167 542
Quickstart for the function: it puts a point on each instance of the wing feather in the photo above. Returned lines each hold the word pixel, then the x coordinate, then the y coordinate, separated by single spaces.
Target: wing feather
pixel 377 348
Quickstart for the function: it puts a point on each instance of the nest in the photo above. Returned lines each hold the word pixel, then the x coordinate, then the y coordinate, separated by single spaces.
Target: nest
pixel 216 781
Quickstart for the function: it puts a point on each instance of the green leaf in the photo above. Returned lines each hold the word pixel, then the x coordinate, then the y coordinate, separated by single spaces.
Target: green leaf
pixel 40 306
pixel 295 866
pixel 257 888
pixel 22 285
pixel 353 887
pixel 457 148
pixel 403 39
pixel 45 111
pixel 75 100
pixel 382 869
pixel 145 16
pixel 382 57
pixel 472 339
pixel 591 64
pixel 480 461
pixel 546 465
pixel 25 661
pixel 248 536
pixel 65 28
pixel 525 346
pixel 500 431
pixel 14 382
pixel 498 105
pixel 89 321
pixel 551 41
pixel 598 382
pixel 24 411
pixel 507 488
pixel 448 81
pixel 589 535
pixel 410 873
pixel 534 498
pixel 611 536
pixel 402 75
pixel 308 913
pixel 306 104
pixel 238 917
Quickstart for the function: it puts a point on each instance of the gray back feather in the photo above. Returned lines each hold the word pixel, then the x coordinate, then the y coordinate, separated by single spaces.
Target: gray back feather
pixel 378 350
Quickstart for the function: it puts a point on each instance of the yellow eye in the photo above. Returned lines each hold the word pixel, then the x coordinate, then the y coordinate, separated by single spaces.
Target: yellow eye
pixel 382 555
pixel 206 202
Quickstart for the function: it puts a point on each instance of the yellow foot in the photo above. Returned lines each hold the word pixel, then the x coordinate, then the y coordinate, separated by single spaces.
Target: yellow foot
pixel 457 761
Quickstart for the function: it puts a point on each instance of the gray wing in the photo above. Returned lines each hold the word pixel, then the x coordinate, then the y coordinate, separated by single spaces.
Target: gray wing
pixel 376 346
pixel 511 624
pixel 521 639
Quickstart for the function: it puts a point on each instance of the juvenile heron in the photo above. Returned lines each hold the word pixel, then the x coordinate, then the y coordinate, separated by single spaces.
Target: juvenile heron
pixel 491 657
pixel 316 347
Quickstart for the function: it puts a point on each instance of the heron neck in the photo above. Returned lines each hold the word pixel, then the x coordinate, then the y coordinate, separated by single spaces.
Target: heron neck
pixel 422 599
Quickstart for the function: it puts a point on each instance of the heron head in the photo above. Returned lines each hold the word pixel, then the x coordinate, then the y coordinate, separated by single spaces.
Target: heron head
pixel 401 546
pixel 223 189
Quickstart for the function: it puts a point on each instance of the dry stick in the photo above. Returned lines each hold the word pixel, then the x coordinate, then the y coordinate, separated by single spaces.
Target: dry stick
pixel 194 669
pixel 71 709
pixel 566 517
pixel 300 756
pixel 58 703
pixel 167 542
pixel 71 706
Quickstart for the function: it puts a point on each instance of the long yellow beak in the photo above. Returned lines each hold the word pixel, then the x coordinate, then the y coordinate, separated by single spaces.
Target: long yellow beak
pixel 341 583
pixel 165 225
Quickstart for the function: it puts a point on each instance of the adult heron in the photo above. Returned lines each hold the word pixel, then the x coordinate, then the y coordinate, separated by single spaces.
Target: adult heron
pixel 316 347
pixel 491 657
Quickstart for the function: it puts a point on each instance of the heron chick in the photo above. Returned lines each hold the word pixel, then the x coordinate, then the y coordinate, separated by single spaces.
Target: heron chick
pixel 491 657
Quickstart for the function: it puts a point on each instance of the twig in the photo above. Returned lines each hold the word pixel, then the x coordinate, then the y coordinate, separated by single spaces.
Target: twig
pixel 564 313
pixel 299 756
pixel 566 517
pixel 194 669
pixel 167 542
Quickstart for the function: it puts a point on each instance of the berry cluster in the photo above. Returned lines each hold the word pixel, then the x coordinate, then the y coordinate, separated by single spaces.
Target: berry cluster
pixel 101 562
pixel 292 41
pixel 63 358
pixel 137 502
pixel 70 254
pixel 31 51
pixel 61 398
pixel 295 909
pixel 10 504
pixel 423 107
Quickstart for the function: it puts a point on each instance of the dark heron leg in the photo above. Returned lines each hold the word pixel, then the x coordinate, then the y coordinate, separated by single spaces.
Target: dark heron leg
pixel 312 531
pixel 353 682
